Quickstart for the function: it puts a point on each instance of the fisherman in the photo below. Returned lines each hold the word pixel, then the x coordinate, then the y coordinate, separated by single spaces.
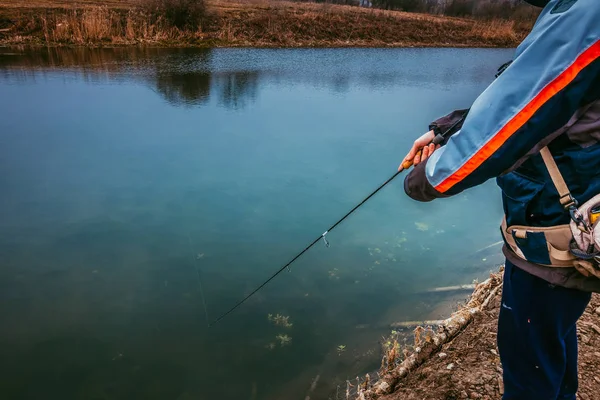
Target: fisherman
pixel 536 129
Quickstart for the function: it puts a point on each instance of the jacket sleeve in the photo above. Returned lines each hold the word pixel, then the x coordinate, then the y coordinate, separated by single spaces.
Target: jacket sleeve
pixel 451 121
pixel 555 70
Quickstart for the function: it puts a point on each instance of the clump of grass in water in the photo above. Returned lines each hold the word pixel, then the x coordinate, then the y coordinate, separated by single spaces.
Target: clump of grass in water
pixel 422 226
pixel 280 320
pixel 283 339
pixel 270 346
pixel 333 274
pixel 390 252
pixel 401 240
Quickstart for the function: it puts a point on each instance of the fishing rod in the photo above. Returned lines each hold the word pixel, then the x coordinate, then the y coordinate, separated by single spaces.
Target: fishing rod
pixel 438 139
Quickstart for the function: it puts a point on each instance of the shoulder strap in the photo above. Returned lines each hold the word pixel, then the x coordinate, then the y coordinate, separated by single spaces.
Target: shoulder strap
pixel 566 199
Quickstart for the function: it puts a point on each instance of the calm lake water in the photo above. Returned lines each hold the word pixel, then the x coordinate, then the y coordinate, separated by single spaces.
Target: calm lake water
pixel 129 176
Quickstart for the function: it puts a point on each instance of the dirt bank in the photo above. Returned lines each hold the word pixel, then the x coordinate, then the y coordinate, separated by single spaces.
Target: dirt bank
pixel 248 24
pixel 468 367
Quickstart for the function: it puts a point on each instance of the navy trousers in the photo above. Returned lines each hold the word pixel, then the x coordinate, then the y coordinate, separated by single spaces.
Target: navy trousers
pixel 537 337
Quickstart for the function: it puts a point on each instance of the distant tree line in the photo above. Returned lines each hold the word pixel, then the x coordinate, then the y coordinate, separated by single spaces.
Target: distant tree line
pixel 505 9
pixel 189 14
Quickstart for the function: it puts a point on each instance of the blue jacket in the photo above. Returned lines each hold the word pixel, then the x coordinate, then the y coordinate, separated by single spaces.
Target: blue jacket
pixel 549 95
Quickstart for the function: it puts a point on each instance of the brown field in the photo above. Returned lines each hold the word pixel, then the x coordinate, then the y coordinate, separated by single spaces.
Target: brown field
pixel 251 23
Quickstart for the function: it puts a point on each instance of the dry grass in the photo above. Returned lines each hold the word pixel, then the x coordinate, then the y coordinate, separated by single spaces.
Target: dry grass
pixel 258 23
pixel 90 25
pixel 489 30
pixel 93 25
pixel 67 3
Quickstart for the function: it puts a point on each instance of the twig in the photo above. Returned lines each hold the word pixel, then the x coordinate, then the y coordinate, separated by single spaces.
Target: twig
pixel 469 286
pixel 482 295
pixel 412 324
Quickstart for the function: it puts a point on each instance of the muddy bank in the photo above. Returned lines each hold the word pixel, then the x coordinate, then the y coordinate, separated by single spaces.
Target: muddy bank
pixel 468 366
pixel 248 24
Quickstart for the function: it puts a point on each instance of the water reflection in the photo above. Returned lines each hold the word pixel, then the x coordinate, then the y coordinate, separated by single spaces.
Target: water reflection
pixel 192 77
pixel 181 77
pixel 237 89
pixel 191 88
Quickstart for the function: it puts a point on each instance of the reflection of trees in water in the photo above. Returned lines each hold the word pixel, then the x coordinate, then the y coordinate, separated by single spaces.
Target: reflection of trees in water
pixel 184 88
pixel 189 77
pixel 180 76
pixel 232 89
pixel 341 84
pixel 92 59
pixel 236 89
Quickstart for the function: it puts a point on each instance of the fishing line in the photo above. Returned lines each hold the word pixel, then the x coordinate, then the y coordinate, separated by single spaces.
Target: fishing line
pixel 438 139
pixel 322 237
pixel 195 261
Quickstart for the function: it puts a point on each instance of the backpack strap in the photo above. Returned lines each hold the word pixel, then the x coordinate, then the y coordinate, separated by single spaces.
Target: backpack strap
pixel 566 199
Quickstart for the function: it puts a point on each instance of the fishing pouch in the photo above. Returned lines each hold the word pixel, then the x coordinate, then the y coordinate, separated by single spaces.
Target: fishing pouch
pixel 585 245
pixel 548 246
pixel 576 244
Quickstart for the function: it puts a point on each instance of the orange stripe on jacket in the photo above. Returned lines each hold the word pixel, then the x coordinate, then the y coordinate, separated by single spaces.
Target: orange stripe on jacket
pixel 558 84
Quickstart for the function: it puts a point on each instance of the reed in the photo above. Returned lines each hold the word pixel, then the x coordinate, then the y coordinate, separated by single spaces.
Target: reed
pixel 252 23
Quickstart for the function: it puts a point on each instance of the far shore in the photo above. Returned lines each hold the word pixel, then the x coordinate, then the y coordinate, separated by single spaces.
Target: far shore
pixel 262 24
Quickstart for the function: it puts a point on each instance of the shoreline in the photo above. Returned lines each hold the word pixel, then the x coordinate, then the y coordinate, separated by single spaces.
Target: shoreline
pixel 262 24
pixel 461 360
pixel 168 45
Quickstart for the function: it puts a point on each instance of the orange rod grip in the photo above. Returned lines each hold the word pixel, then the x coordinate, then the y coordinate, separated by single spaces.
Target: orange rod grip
pixel 407 164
